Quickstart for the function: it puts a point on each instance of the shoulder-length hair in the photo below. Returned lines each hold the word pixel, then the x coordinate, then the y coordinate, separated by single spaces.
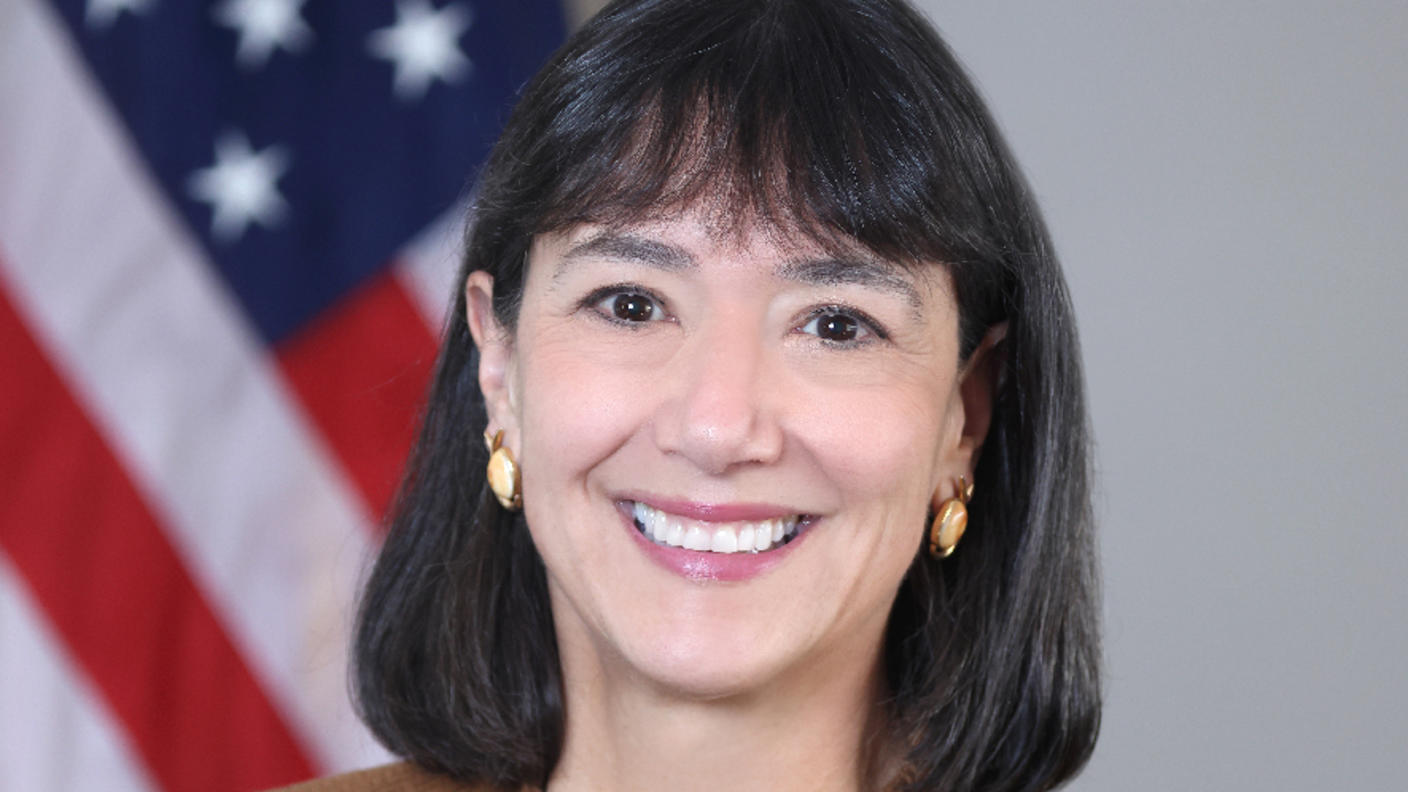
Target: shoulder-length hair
pixel 849 121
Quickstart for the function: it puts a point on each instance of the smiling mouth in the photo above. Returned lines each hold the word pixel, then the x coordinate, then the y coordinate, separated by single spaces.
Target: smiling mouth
pixel 670 530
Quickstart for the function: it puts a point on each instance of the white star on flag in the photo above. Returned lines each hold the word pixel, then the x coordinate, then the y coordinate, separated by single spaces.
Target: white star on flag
pixel 422 45
pixel 264 25
pixel 101 13
pixel 241 187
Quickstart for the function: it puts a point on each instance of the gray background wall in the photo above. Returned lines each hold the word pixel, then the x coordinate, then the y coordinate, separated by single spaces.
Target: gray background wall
pixel 1227 184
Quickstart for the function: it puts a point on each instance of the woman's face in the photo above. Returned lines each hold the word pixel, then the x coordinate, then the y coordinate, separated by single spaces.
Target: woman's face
pixel 673 394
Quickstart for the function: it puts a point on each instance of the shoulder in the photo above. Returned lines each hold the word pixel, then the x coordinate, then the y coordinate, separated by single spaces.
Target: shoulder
pixel 399 777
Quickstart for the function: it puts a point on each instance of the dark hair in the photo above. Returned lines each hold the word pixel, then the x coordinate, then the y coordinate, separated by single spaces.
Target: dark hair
pixel 848 121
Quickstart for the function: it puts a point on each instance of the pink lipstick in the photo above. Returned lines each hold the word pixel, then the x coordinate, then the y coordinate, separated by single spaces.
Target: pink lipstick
pixel 713 542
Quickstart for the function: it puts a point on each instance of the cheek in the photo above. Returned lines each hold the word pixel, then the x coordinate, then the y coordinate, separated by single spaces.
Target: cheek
pixel 574 408
pixel 880 443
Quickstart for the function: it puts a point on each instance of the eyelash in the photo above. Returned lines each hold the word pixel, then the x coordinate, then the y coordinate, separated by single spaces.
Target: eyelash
pixel 593 302
pixel 871 329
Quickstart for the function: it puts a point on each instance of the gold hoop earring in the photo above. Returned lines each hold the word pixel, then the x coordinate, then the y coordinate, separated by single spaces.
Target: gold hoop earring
pixel 949 524
pixel 503 472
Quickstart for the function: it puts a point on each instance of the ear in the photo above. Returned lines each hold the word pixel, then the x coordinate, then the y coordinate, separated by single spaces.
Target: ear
pixel 496 357
pixel 979 380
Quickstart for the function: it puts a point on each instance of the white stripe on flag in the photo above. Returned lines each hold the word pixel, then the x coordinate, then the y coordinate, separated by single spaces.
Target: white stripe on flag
pixel 128 309
pixel 426 268
pixel 56 733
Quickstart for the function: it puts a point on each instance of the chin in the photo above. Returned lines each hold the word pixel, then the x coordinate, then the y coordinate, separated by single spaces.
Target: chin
pixel 700 669
pixel 682 639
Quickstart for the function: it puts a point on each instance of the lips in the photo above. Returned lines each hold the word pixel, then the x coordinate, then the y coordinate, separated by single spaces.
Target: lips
pixel 712 535
pixel 711 528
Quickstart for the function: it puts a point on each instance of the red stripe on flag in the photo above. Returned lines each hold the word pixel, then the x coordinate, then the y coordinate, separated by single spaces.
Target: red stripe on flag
pixel 361 369
pixel 115 590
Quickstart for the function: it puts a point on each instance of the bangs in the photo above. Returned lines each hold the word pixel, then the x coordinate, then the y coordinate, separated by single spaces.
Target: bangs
pixel 766 113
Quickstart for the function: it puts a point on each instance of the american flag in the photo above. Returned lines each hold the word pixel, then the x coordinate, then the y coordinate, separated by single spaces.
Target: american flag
pixel 227 232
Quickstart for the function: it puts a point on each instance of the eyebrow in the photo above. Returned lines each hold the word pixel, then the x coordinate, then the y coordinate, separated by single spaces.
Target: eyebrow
pixel 870 273
pixel 628 247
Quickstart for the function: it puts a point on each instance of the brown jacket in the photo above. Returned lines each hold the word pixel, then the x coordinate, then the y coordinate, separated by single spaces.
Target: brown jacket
pixel 400 777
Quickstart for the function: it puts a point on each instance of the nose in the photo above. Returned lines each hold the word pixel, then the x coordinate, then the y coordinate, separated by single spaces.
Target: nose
pixel 722 403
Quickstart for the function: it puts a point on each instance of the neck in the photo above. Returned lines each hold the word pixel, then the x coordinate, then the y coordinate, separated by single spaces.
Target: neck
pixel 809 731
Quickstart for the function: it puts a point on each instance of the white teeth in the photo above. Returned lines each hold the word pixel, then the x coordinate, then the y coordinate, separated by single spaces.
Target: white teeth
pixel 762 539
pixel 696 539
pixel 745 536
pixel 725 541
pixel 739 537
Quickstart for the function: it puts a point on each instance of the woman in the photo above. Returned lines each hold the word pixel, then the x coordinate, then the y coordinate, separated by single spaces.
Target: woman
pixel 755 309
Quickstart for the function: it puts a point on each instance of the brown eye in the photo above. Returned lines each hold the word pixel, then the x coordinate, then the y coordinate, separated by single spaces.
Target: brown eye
pixel 836 327
pixel 632 307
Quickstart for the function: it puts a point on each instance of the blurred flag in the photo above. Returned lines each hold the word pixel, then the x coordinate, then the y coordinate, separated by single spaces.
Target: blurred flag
pixel 227 231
